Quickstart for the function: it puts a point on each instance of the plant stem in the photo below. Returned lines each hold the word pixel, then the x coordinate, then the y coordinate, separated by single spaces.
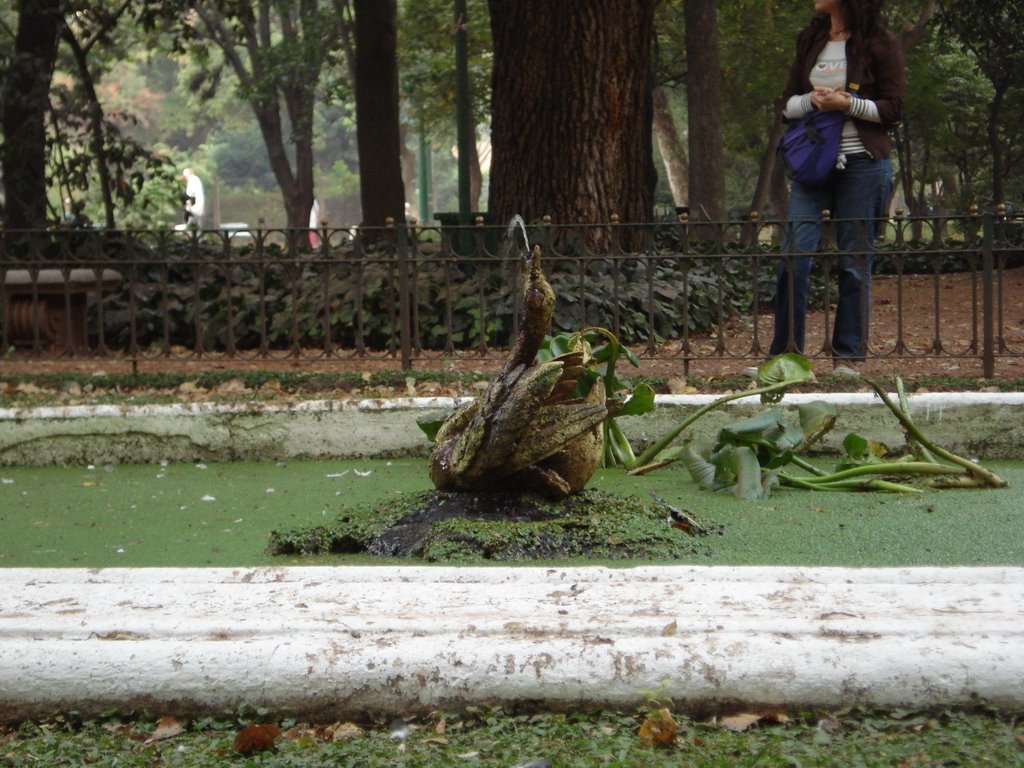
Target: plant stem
pixel 916 448
pixel 988 478
pixel 889 468
pixel 853 484
pixel 651 452
pixel 807 466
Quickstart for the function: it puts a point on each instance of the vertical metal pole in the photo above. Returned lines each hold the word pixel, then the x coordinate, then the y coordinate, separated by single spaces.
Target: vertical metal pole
pixel 463 108
pixel 423 171
pixel 405 299
pixel 988 351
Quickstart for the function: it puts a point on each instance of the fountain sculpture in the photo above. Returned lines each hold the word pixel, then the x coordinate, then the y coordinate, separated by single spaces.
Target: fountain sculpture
pixel 529 432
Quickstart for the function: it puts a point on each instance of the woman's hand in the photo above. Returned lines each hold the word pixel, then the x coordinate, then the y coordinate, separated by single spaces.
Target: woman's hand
pixel 831 99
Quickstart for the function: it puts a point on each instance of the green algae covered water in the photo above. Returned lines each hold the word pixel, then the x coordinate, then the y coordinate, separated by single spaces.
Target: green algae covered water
pixel 223 514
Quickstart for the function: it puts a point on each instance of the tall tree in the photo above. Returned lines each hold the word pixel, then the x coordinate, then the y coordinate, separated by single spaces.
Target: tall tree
pixel 382 191
pixel 570 109
pixel 673 154
pixel 25 91
pixel 993 32
pixel 704 100
pixel 278 52
pixel 426 57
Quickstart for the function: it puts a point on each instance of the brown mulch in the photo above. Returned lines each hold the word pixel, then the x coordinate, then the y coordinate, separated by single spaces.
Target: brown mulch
pixel 941 329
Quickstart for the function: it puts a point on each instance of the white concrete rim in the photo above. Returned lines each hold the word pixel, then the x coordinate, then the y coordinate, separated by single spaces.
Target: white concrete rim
pixel 329 642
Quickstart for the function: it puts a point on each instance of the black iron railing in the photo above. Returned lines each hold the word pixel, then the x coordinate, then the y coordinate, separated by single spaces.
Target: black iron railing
pixel 695 293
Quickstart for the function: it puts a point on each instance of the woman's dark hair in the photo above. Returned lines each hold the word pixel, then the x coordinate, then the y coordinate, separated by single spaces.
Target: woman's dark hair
pixel 863 22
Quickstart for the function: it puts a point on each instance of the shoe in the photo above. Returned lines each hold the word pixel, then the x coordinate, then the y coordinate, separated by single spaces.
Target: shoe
pixel 846 370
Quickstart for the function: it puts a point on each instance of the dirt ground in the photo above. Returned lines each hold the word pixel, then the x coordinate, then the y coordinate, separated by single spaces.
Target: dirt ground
pixel 941 337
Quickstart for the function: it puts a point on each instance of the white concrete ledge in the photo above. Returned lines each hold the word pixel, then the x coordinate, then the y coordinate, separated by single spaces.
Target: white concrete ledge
pixel 329 642
pixel 989 425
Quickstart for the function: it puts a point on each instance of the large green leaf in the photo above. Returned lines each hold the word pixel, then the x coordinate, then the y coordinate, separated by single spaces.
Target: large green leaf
pixel 816 419
pixel 697 460
pixel 758 425
pixel 788 367
pixel 640 402
pixel 742 463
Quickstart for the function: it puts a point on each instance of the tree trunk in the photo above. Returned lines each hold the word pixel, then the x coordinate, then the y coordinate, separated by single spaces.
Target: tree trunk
pixel 704 99
pixel 381 190
pixel 268 117
pixel 570 126
pixel 95 111
pixel 766 166
pixel 673 153
pixel 25 102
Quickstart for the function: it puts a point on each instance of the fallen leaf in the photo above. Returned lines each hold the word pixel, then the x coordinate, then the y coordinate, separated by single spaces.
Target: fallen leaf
pixel 167 727
pixel 659 728
pixel 343 732
pixel 669 629
pixel 256 738
pixel 741 722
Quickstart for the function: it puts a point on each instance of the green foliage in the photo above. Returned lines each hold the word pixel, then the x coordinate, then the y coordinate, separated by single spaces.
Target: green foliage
pixel 748 456
pixel 602 351
pixel 493 737
pixel 426 52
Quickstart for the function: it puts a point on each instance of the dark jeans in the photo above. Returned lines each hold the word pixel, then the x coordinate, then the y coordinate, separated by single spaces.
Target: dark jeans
pixel 856 197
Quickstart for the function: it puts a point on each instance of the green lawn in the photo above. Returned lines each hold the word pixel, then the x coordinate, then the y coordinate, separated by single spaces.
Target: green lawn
pixel 222 515
pixel 574 740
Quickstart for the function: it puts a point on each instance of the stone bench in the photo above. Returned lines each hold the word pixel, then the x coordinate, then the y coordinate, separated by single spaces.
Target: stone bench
pixel 51 305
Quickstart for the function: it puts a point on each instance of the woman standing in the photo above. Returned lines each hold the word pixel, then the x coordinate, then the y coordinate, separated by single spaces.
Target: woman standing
pixel 845 61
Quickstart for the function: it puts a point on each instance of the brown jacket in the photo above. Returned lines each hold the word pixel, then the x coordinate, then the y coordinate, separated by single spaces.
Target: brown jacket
pixel 881 79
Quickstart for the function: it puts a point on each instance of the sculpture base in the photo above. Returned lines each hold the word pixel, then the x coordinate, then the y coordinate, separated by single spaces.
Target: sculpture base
pixel 473 527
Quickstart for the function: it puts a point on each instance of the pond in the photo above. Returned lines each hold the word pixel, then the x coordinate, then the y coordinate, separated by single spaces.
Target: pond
pixel 222 514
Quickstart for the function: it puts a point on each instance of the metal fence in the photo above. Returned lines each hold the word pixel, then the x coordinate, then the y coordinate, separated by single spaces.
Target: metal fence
pixel 698 295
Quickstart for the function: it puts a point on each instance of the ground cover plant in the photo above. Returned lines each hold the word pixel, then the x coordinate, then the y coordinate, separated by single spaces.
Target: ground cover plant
pixel 657 736
pixel 234 382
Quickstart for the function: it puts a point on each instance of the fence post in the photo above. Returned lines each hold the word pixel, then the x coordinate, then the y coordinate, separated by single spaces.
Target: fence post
pixel 404 309
pixel 988 352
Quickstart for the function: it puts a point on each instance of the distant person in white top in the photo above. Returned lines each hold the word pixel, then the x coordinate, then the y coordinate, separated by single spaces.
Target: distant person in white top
pixel 314 224
pixel 194 199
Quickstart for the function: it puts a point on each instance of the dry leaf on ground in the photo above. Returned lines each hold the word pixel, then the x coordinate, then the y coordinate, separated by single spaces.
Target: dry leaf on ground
pixel 256 738
pixel 659 728
pixel 166 728
pixel 740 722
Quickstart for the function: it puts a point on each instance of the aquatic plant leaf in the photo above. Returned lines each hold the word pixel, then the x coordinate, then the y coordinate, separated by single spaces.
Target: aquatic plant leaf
pixel 747 469
pixel 758 426
pixel 787 367
pixel 697 459
pixel 860 452
pixel 856 447
pixel 639 403
pixel 816 420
